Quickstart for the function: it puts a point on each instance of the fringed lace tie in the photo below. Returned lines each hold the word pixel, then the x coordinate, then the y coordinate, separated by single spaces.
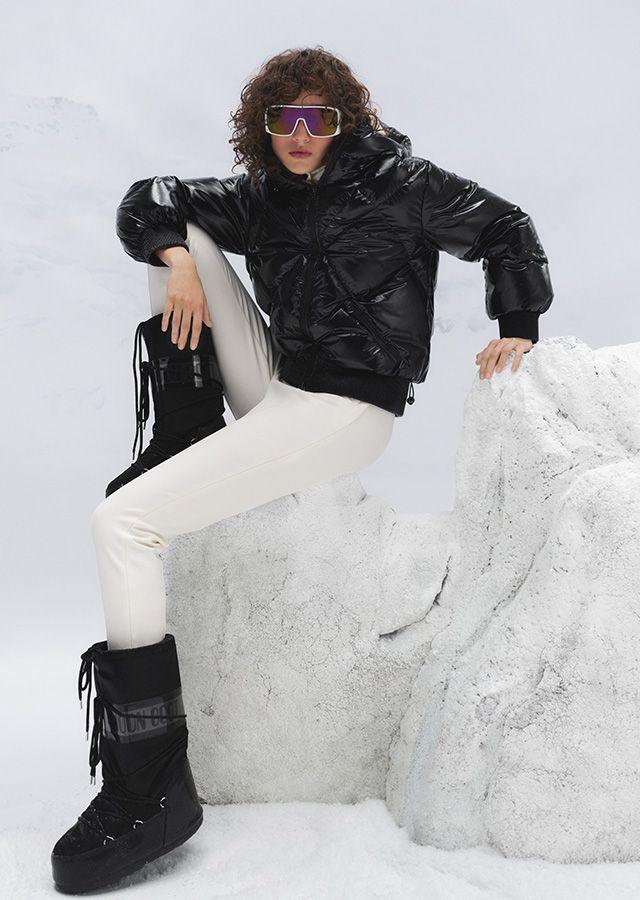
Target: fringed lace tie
pixel 142 390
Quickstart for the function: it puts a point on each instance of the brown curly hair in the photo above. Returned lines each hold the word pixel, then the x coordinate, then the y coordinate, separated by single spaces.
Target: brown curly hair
pixel 280 80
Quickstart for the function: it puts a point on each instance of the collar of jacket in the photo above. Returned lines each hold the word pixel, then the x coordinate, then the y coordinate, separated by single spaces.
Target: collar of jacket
pixel 353 156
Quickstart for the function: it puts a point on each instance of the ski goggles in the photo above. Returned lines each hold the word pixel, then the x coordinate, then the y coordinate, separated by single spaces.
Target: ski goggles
pixel 321 121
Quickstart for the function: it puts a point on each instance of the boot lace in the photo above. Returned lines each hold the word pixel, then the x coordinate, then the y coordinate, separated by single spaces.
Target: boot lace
pixel 142 389
pixel 114 794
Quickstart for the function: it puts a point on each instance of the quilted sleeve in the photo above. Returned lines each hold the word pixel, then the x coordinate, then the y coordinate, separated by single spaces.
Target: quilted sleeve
pixel 472 223
pixel 153 214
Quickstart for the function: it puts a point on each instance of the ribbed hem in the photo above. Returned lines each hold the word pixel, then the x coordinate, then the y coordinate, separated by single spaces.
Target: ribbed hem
pixel 386 391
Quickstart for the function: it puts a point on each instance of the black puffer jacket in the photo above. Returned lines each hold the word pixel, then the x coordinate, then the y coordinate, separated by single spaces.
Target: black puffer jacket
pixel 346 268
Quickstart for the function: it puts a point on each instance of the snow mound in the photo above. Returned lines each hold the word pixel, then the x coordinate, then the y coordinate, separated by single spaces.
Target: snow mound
pixel 524 722
pixel 297 655
pixel 477 669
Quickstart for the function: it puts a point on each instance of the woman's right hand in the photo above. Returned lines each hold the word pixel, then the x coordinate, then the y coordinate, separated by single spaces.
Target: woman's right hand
pixel 186 304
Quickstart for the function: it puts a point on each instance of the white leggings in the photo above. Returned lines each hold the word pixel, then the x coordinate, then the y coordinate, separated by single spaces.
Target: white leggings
pixel 282 439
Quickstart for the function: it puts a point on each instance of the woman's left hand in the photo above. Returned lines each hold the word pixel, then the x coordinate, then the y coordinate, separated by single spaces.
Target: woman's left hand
pixel 496 352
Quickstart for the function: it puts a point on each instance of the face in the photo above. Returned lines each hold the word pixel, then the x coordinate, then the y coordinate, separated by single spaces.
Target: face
pixel 311 150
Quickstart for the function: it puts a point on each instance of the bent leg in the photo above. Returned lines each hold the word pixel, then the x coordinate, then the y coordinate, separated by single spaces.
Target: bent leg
pixel 290 440
pixel 241 337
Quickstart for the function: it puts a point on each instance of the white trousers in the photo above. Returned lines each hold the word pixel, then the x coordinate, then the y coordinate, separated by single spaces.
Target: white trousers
pixel 282 439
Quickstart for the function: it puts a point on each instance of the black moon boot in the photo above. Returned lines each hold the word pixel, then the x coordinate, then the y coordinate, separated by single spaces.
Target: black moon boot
pixel 187 391
pixel 148 803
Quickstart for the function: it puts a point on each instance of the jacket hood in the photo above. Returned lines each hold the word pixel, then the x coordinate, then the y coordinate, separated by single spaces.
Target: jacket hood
pixel 355 155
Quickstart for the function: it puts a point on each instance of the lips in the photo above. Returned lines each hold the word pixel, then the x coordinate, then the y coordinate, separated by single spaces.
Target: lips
pixel 299 153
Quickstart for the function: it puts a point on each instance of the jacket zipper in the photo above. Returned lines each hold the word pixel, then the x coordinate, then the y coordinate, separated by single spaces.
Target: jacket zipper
pixel 306 297
pixel 316 249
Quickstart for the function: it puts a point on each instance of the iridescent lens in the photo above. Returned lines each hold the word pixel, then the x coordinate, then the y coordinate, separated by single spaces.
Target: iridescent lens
pixel 322 121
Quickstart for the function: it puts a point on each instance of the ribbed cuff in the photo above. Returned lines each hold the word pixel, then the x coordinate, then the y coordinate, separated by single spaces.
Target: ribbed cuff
pixel 520 323
pixel 153 240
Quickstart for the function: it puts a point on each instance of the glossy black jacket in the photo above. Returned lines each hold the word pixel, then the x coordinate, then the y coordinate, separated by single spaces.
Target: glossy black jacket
pixel 346 268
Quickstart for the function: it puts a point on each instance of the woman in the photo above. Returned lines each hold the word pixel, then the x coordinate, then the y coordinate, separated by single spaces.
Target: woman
pixel 340 226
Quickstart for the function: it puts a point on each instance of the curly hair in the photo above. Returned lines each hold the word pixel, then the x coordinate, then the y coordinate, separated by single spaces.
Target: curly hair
pixel 280 80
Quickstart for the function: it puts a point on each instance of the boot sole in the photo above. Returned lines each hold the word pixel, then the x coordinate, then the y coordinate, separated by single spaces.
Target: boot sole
pixel 131 867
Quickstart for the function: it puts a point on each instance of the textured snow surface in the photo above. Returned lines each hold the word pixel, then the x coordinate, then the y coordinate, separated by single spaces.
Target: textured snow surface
pixel 300 851
pixel 294 664
pixel 477 669
pixel 523 726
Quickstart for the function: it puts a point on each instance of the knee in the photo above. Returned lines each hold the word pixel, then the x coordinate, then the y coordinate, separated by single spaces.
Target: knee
pixel 115 516
pixel 103 520
pixel 112 516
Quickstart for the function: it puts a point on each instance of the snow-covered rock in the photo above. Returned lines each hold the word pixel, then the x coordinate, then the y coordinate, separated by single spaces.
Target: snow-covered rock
pixel 479 668
pixel 297 652
pixel 523 726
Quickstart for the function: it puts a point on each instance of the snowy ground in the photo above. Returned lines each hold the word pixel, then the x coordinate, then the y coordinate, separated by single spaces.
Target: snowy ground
pixel 286 851
pixel 304 851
